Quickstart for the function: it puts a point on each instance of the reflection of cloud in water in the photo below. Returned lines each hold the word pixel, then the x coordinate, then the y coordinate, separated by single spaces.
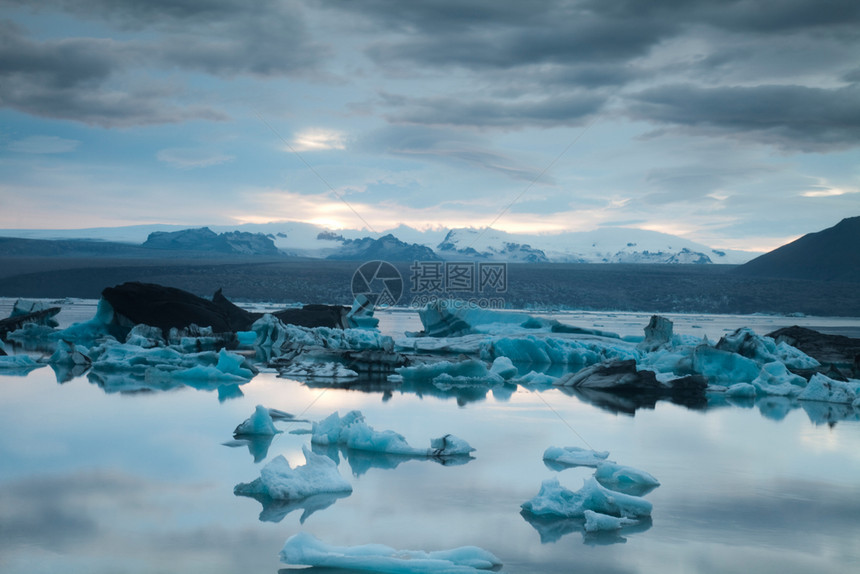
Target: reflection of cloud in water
pixel 101 520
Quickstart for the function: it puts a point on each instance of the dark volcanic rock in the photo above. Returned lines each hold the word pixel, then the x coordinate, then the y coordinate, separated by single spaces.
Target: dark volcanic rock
pixel 836 350
pixel 168 307
pixel 829 255
pixel 333 316
pixel 614 376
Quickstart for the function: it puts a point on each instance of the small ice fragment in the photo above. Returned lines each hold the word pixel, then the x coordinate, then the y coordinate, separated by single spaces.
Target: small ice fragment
pixel 575 456
pixel 260 423
pixel 595 521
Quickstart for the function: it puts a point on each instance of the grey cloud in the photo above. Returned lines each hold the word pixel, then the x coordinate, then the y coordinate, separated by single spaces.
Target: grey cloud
pixel 796 118
pixel 71 79
pixel 223 37
pixel 467 111
pixel 448 147
pixel 695 182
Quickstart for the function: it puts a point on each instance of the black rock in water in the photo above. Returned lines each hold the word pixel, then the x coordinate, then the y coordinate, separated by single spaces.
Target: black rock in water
pixel 169 307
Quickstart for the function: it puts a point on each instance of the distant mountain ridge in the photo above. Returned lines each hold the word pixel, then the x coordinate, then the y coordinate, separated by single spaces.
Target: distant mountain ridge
pixel 204 239
pixel 299 239
pixel 832 254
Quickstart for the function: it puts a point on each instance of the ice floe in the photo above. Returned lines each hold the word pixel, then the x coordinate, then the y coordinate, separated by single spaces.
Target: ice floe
pixel 625 479
pixel 352 431
pixel 279 481
pixel 259 423
pixel 305 549
pixel 556 500
pixel 563 457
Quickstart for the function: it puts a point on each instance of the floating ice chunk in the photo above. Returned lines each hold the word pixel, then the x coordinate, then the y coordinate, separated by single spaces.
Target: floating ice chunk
pixel 469 370
pixel 503 367
pixel 317 370
pixel 625 479
pixel 596 522
pixel 825 389
pixel 69 354
pixel 575 456
pixel 794 357
pixel 775 379
pixel 102 324
pixel 555 500
pixel 165 362
pixel 145 336
pixel 260 423
pixel 658 334
pixel 765 349
pixel 742 391
pixel 246 338
pixel 303 548
pixel 273 333
pixel 557 350
pixel 719 365
pixel 533 378
pixel 353 432
pixel 281 482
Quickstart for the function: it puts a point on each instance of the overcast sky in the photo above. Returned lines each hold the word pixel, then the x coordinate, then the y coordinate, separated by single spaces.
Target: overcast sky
pixel 736 124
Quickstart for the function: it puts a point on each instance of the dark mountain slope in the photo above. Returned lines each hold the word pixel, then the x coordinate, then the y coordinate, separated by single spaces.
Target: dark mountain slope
pixel 829 255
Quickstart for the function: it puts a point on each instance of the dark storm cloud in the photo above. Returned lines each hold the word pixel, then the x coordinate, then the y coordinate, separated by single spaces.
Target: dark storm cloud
pixel 790 117
pixel 221 37
pixel 68 79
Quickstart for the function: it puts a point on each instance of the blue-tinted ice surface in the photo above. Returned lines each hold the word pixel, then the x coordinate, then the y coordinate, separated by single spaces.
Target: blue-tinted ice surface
pixel 279 481
pixel 305 549
pixel 353 432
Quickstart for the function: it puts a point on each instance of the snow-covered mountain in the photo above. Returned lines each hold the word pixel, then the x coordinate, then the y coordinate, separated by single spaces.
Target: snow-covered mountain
pixel 604 245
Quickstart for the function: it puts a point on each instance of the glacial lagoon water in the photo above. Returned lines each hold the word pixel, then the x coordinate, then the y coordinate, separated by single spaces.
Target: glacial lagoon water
pixel 110 479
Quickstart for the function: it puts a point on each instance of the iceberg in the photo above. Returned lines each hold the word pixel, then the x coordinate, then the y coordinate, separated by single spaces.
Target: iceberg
pixel 260 423
pixel 625 479
pixel 452 318
pixel 824 389
pixel 305 549
pixel 306 369
pixel 353 432
pixel 555 500
pixel 160 363
pixel 279 481
pixel 466 371
pixel 574 456
pixel 273 333
pixel 597 522
pixel 762 350
pixel 723 366
pixel 503 367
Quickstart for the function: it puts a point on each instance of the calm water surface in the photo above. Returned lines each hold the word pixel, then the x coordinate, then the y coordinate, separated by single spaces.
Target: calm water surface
pixel 94 480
